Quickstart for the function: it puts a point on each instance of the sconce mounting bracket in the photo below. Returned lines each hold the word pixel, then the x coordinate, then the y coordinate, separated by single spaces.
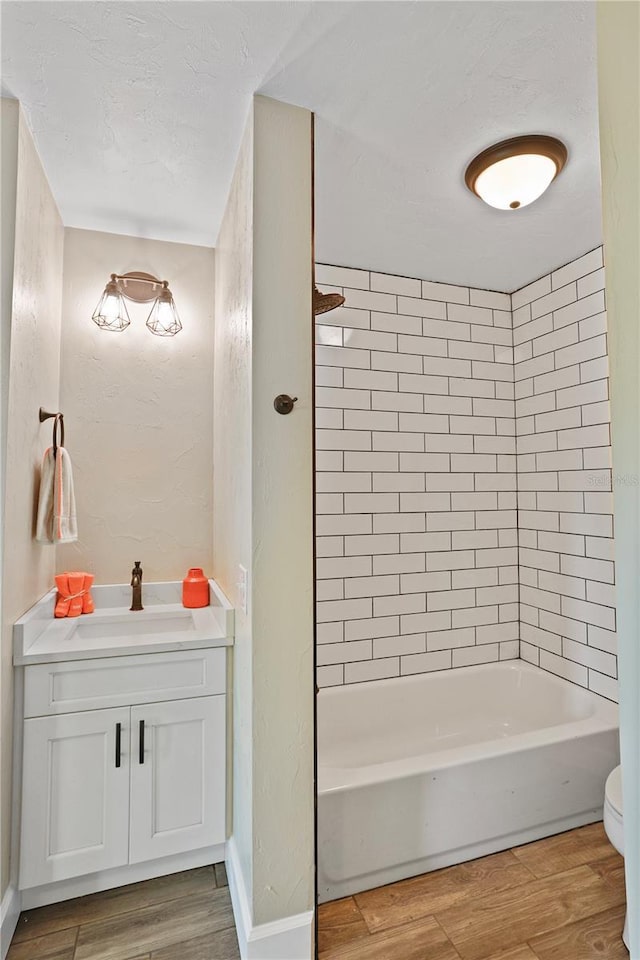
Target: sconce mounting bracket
pixel 139 287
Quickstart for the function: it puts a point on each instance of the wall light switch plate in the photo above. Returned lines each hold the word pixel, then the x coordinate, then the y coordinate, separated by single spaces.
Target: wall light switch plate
pixel 243 588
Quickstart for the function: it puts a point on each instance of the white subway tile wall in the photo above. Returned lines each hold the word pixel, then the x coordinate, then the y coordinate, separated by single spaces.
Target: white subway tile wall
pixel 464 509
pixel 417 551
pixel 565 522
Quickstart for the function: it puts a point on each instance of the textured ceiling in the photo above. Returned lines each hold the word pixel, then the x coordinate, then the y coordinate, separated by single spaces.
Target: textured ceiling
pixel 138 108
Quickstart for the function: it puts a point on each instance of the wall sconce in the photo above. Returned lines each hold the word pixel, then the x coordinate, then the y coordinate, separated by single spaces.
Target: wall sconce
pixel 111 312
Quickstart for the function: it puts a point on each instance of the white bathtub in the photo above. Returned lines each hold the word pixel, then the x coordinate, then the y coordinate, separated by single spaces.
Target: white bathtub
pixel 418 773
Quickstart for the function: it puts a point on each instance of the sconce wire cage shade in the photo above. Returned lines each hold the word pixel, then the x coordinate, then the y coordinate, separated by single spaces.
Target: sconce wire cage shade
pixel 163 320
pixel 111 312
pixel 513 173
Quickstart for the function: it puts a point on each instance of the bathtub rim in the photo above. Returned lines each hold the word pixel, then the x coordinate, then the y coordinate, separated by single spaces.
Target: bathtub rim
pixel 337 779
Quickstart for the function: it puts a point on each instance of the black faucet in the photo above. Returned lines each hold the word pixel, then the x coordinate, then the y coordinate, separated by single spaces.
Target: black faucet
pixel 136 584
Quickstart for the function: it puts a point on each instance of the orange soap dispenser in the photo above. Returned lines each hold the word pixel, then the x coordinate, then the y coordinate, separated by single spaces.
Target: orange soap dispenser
pixel 195 589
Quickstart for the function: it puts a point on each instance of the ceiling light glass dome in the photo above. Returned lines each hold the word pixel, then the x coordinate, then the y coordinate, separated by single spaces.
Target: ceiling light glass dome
pixel 512 174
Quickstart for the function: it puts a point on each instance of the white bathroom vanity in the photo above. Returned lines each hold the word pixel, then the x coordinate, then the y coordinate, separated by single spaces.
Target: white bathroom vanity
pixel 120 741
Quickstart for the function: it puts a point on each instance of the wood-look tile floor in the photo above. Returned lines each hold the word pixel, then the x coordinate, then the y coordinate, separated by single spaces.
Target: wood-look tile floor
pixel 562 898
pixel 185 916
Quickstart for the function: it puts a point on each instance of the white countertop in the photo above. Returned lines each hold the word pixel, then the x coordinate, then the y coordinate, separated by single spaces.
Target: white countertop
pixel 114 630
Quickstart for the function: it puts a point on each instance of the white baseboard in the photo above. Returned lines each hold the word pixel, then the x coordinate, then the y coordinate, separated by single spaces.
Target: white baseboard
pixel 239 901
pixel 288 939
pixel 9 915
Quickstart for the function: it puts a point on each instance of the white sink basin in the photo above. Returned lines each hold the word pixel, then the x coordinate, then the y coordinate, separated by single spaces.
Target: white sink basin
pixel 138 624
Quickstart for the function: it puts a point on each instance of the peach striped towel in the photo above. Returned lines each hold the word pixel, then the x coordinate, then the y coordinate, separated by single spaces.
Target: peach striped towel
pixel 56 520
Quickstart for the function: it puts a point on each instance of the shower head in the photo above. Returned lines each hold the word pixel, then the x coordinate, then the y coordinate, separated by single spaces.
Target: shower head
pixel 323 302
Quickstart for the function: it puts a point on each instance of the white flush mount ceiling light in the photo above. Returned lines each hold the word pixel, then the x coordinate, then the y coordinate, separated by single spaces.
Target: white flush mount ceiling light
pixel 513 173
pixel 111 312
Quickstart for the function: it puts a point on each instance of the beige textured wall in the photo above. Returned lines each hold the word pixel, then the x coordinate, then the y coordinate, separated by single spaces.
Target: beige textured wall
pixel 8 172
pixel 263 507
pixel 619 100
pixel 232 469
pixel 282 464
pixel 138 412
pixel 28 567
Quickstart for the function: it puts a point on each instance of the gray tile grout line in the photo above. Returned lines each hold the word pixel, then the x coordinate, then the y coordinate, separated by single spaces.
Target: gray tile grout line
pixel 573 285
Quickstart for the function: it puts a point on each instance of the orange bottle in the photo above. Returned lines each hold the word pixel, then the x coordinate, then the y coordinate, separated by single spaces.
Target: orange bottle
pixel 195 589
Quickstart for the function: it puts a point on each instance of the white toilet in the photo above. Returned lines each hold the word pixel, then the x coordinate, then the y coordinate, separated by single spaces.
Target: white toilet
pixel 613 822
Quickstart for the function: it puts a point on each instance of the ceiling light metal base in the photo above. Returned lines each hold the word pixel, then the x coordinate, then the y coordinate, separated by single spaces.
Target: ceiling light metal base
pixel 516 147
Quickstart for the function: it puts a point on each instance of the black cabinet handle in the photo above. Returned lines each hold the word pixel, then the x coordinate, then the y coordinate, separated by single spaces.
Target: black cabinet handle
pixel 118 744
pixel 141 743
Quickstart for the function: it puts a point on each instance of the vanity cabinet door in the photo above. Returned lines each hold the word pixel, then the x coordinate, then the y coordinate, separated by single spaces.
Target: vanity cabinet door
pixel 75 795
pixel 177 777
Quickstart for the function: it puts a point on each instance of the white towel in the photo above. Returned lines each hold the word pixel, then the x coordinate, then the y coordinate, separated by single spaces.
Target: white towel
pixel 56 521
